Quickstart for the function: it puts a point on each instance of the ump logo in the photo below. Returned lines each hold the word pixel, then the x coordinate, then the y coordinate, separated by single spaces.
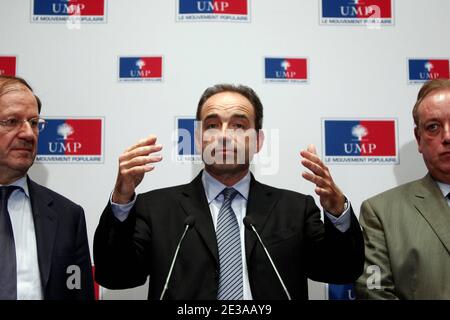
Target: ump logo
pixel 213 10
pixel 140 68
pixel 8 66
pixel 422 70
pixel 341 292
pixel 356 12
pixel 88 11
pixel 185 140
pixel 363 141
pixel 294 70
pixel 71 141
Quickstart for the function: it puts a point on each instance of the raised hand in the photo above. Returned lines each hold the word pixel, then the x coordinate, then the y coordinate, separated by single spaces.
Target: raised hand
pixel 331 197
pixel 133 164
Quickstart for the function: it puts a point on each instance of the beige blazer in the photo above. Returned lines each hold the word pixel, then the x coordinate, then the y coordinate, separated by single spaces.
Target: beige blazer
pixel 407 235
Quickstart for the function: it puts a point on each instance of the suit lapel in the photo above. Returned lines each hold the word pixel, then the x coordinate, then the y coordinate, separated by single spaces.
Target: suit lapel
pixel 45 223
pixel 261 201
pixel 194 202
pixel 429 201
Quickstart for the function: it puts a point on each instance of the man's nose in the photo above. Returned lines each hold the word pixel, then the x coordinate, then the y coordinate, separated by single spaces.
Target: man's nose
pixel 446 133
pixel 226 132
pixel 26 131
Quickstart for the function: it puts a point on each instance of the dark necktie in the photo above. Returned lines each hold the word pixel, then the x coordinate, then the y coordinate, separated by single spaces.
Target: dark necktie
pixel 8 270
pixel 229 245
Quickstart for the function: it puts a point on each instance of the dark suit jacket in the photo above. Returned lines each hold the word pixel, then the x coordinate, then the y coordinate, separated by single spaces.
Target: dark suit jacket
pixel 61 239
pixel 125 253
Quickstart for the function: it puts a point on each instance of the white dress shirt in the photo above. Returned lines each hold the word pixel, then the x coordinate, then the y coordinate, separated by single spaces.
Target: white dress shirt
pixel 445 189
pixel 29 285
pixel 213 189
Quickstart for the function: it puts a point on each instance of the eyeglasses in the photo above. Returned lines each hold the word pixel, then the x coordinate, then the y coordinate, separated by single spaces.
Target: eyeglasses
pixel 36 124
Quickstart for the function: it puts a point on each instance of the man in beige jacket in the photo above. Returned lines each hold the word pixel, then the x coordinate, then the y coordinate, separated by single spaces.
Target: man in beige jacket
pixel 407 229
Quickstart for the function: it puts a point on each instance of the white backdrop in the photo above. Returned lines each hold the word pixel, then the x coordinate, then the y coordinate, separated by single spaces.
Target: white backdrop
pixel 354 72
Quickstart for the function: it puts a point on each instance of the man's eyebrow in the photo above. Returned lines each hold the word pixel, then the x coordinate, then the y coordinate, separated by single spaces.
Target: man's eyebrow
pixel 240 115
pixel 431 119
pixel 211 116
pixel 236 115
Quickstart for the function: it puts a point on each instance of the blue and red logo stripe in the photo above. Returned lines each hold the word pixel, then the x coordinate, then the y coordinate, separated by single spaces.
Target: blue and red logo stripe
pixel 234 7
pixel 360 138
pixel 69 7
pixel 359 9
pixel 140 67
pixel 71 137
pixel 286 68
pixel 428 69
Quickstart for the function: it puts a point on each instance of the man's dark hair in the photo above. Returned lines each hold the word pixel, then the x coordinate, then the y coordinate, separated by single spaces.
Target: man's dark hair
pixel 8 81
pixel 245 91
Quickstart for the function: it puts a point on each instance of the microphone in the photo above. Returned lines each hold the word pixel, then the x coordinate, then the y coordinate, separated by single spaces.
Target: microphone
pixel 250 224
pixel 189 222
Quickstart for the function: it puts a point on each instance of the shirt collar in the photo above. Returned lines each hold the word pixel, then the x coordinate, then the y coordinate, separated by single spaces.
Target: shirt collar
pixel 22 182
pixel 445 188
pixel 214 187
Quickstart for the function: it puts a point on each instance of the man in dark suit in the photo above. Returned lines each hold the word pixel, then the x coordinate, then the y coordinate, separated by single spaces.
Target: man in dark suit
pixel 220 258
pixel 43 243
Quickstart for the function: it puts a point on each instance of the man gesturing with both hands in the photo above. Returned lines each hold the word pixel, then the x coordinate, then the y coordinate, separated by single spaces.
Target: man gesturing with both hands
pixel 220 258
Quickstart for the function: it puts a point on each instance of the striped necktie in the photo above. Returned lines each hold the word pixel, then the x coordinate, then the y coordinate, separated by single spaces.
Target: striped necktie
pixel 229 244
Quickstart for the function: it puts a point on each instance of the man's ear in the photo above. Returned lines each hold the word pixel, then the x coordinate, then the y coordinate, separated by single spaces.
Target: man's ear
pixel 260 140
pixel 417 135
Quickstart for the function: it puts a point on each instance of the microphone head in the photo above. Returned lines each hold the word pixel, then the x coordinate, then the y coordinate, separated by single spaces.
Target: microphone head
pixel 249 222
pixel 189 221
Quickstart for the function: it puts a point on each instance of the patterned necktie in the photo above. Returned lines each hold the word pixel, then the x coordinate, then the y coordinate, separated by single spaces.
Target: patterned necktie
pixel 229 243
pixel 8 271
